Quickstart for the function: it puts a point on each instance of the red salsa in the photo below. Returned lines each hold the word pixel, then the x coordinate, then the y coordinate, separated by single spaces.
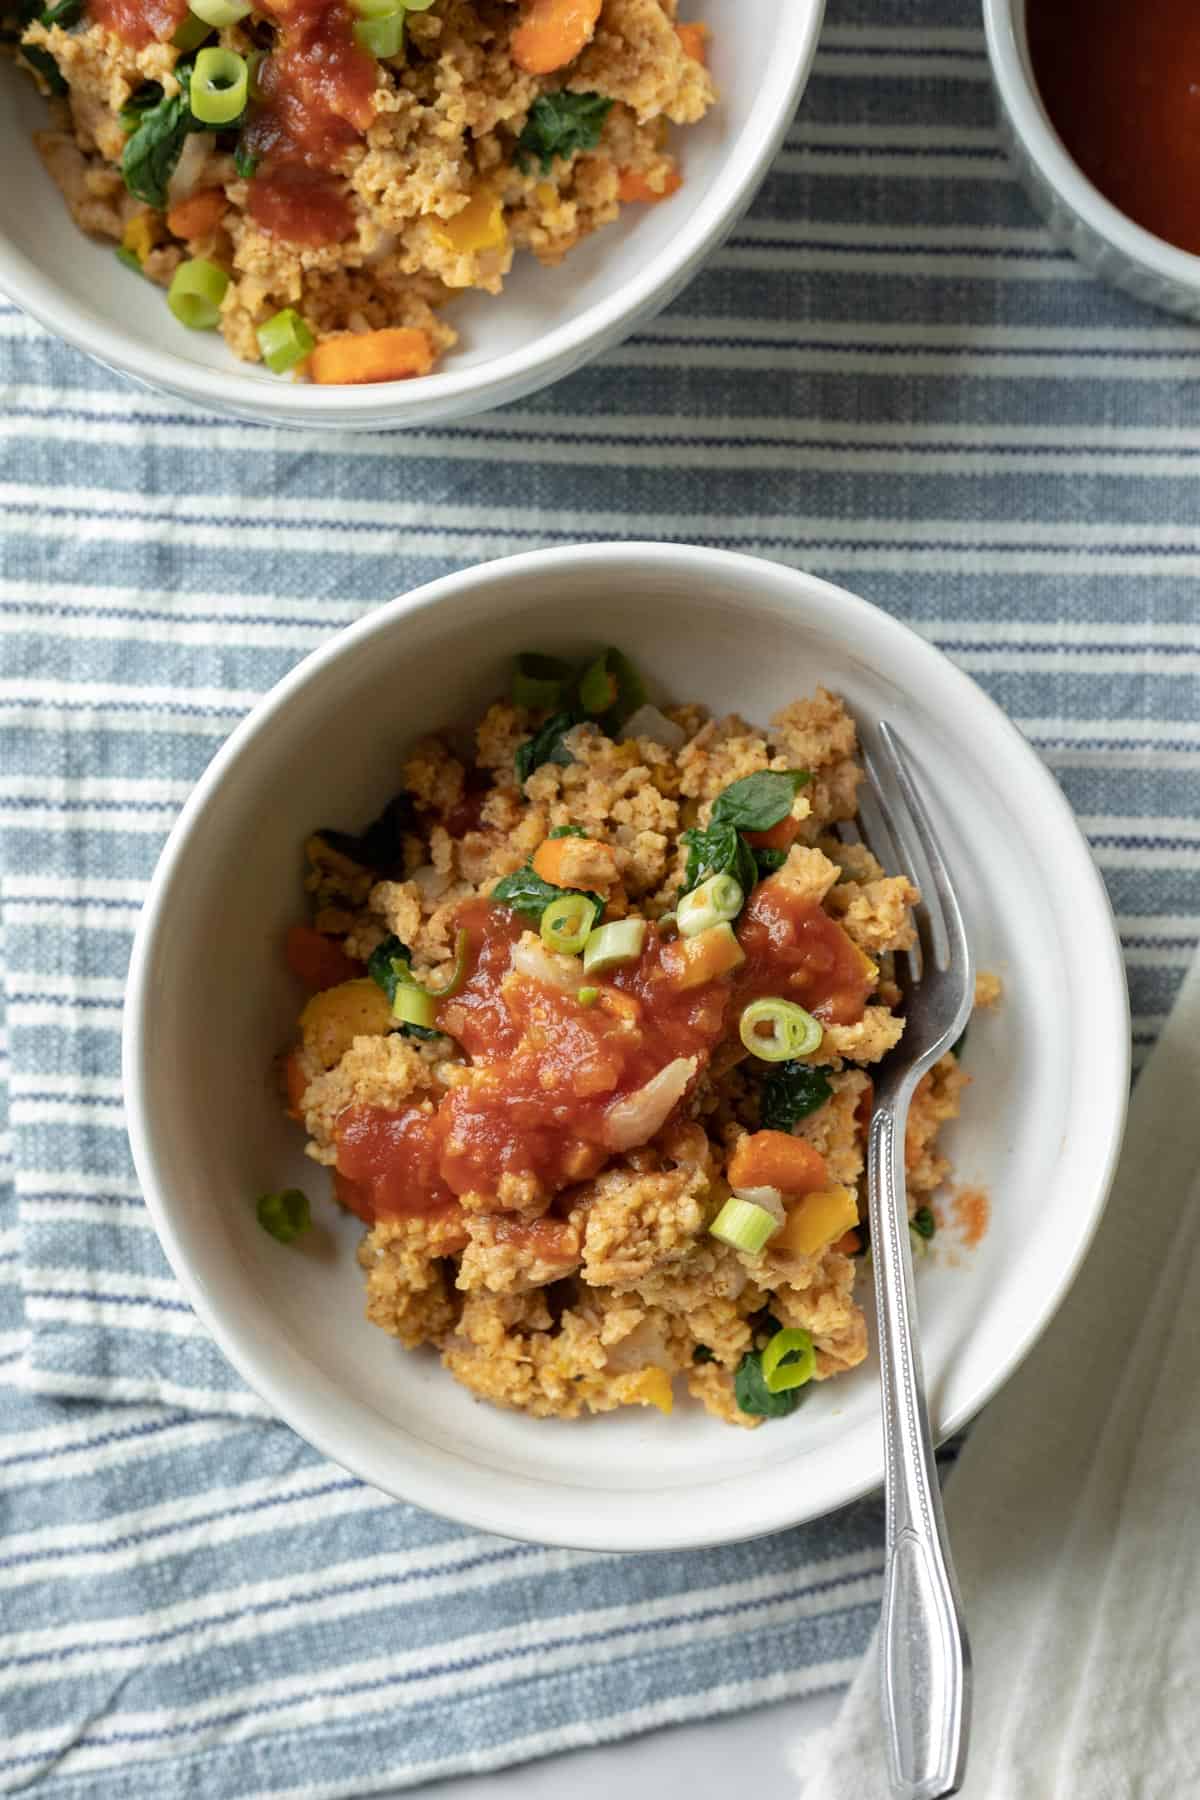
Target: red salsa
pixel 139 22
pixel 1122 88
pixel 795 951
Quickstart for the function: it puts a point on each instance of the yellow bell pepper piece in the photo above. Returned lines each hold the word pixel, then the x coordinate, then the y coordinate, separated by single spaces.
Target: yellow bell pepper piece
pixel 143 232
pixel 479 226
pixel 333 1019
pixel 817 1220
pixel 652 1387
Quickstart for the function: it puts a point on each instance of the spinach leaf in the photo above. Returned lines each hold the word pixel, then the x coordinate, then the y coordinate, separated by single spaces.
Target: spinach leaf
pixel 559 124
pixel 545 746
pixel 156 143
pixel 960 1043
pixel 923 1222
pixel 757 802
pixel 568 831
pixel 244 161
pixel 790 1092
pixel 702 1354
pixel 390 966
pixel 381 845
pixel 47 68
pixel 63 12
pixel 753 1395
pixel 142 100
pixel 767 861
pixel 718 850
pixel 529 895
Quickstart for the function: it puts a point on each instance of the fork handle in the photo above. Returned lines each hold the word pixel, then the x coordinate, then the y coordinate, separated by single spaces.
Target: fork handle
pixel 924 1655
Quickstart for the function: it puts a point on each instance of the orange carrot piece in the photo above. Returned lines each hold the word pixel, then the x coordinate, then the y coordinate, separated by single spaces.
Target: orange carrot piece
pixel 548 861
pixel 776 1159
pixel 633 186
pixel 779 837
pixel 552 33
pixel 694 39
pixel 392 354
pixel 849 1244
pixel 318 961
pixel 199 215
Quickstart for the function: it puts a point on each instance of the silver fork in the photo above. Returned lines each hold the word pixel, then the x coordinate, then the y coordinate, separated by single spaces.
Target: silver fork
pixel 924 1655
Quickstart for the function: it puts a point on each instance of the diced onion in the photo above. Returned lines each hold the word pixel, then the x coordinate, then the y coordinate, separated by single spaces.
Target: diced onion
pixel 769 1198
pixel 610 946
pixel 789 1360
pixel 744 1225
pixel 648 722
pixel 790 1032
pixel 715 902
pixel 635 1119
pixel 530 957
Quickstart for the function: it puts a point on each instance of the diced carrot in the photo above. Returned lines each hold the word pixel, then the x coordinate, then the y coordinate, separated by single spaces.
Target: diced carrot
pixel 552 33
pixel 816 1221
pixel 694 39
pixel 632 187
pixel 849 1244
pixel 392 354
pixel 693 961
pixel 780 837
pixel 318 961
pixel 295 1083
pixel 561 862
pixel 199 215
pixel 776 1159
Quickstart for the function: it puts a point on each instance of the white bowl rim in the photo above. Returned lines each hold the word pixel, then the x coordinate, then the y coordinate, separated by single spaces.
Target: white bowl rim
pixel 500 1503
pixel 557 351
pixel 1046 149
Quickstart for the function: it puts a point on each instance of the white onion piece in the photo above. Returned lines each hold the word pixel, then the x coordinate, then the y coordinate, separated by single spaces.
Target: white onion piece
pixel 530 957
pixel 648 722
pixel 634 1120
pixel 189 172
pixel 769 1198
pixel 432 882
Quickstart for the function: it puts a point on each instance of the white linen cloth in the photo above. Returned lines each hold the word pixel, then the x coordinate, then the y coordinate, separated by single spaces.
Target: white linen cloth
pixel 1074 1509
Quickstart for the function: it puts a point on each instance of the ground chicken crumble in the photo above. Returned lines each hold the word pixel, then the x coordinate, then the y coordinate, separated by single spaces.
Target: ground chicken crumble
pixel 598 1288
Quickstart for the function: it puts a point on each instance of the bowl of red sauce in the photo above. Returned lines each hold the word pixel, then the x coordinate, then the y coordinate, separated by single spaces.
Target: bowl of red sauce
pixel 1100 105
pixel 211 1002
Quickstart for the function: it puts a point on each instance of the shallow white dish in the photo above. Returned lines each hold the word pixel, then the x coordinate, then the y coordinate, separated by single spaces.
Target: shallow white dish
pixel 210 1002
pixel 1122 253
pixel 546 323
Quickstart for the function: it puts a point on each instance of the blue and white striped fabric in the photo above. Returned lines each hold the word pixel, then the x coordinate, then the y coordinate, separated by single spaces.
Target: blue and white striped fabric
pixel 889 376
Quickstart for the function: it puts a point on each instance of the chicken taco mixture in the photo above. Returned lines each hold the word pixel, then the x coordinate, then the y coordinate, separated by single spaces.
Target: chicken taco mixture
pixel 595 1004
pixel 314 178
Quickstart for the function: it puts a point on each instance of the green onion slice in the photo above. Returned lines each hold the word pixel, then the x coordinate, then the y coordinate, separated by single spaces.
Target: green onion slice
pixel 613 945
pixel 567 923
pixel 219 86
pixel 538 681
pixel 284 341
pixel 715 902
pixel 381 36
pixel 777 1030
pixel 744 1225
pixel 190 33
pixel 285 1215
pixel 588 996
pixel 219 13
pixel 413 1006
pixel 789 1360
pixel 196 292
pixel 458 975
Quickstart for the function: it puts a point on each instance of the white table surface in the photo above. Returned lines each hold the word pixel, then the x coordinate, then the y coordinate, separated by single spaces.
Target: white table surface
pixel 749 1756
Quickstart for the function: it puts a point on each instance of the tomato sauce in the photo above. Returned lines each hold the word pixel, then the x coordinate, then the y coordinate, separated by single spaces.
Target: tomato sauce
pixel 1122 88
pixel 314 104
pixel 139 22
pixel 795 951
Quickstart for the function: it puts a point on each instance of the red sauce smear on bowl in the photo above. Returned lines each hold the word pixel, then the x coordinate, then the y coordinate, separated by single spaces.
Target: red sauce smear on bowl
pixel 1122 88
pixel 548 1069
pixel 314 105
pixel 139 22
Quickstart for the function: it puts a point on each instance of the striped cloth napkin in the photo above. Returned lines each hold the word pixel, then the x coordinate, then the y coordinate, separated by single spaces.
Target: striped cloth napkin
pixel 889 376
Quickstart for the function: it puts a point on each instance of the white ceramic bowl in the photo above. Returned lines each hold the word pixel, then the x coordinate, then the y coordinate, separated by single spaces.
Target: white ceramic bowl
pixel 1111 245
pixel 545 324
pixel 210 1002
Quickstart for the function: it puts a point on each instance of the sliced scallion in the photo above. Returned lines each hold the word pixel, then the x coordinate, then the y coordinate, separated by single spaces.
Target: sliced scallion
pixel 196 292
pixel 777 1030
pixel 610 946
pixel 458 975
pixel 284 341
pixel 285 1215
pixel 219 86
pixel 382 36
pixel 413 1006
pixel 190 33
pixel 219 13
pixel 715 902
pixel 588 996
pixel 744 1225
pixel 567 923
pixel 538 681
pixel 788 1360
